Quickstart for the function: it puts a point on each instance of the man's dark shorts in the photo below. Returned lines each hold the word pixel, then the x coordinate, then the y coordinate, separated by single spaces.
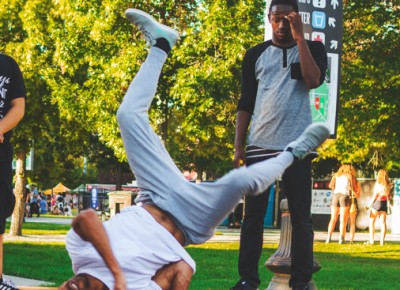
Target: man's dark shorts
pixel 7 198
pixel 339 199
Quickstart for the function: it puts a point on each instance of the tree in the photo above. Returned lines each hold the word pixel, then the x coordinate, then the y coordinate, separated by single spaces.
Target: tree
pixel 20 21
pixel 97 59
pixel 208 84
pixel 370 87
pixel 25 27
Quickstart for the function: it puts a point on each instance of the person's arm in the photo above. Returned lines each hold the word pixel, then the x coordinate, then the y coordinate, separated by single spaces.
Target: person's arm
pixel 333 182
pixel 174 276
pixel 89 227
pixel 309 69
pixel 374 196
pixel 242 124
pixel 357 188
pixel 388 190
pixel 13 116
pixel 372 200
pixel 246 104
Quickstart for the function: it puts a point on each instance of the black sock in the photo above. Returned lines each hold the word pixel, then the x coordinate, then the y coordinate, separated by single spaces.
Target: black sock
pixel 290 149
pixel 163 44
pixel 1 279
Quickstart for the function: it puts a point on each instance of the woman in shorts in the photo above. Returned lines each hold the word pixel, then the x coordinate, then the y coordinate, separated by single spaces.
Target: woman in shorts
pixel 341 186
pixel 379 205
pixel 355 194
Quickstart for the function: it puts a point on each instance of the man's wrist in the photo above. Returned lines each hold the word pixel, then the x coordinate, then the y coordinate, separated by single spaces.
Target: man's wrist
pixel 300 40
pixel 117 271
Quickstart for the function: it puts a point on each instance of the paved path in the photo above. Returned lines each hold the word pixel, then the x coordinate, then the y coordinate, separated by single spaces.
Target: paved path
pixel 52 220
pixel 223 234
pixel 27 282
pixel 272 236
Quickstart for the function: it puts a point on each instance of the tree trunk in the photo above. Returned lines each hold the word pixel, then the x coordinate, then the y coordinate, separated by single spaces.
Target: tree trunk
pixel 119 176
pixel 199 175
pixel 20 196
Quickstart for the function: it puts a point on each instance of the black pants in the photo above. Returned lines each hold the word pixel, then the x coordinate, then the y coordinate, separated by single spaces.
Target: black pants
pixel 7 198
pixel 297 187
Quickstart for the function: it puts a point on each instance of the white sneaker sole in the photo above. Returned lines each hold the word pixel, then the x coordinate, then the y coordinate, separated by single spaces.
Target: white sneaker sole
pixel 156 29
pixel 315 133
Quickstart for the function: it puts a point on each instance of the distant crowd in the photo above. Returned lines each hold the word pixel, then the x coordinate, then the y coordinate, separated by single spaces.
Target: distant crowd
pixel 38 203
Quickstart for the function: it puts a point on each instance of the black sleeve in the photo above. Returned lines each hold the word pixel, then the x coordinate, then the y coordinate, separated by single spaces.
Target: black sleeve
pixel 249 84
pixel 18 85
pixel 318 52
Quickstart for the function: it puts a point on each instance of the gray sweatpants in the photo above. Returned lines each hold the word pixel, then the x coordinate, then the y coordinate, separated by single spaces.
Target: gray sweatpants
pixel 197 208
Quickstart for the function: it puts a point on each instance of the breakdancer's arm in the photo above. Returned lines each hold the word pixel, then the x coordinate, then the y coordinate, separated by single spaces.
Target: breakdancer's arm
pixel 89 227
pixel 174 276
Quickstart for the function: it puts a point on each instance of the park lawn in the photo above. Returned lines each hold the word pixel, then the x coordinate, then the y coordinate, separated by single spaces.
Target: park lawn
pixel 345 266
pixel 356 266
pixel 32 228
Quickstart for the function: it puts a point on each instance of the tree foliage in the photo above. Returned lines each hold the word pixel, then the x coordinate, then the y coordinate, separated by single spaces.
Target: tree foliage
pixel 79 57
pixel 208 84
pixel 194 108
pixel 96 61
pixel 368 131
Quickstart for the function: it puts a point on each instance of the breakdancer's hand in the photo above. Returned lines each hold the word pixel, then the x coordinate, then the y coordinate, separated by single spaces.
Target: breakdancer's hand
pixel 120 282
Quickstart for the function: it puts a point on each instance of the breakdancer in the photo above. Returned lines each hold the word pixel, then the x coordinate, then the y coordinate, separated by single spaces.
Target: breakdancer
pixel 143 246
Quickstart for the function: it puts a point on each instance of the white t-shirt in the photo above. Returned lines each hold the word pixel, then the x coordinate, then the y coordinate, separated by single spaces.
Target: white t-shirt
pixel 342 185
pixel 140 244
pixel 380 190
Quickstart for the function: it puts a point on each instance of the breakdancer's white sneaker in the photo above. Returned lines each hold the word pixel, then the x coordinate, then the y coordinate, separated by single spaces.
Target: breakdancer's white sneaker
pixel 151 28
pixel 312 137
pixel 7 284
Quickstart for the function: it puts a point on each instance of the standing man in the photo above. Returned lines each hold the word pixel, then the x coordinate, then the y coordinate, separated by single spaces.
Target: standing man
pixel 276 78
pixel 12 109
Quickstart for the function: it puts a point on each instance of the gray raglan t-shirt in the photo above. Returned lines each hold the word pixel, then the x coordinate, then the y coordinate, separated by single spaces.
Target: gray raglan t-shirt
pixel 275 94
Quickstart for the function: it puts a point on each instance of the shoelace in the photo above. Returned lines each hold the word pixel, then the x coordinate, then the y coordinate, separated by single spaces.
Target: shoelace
pixel 147 35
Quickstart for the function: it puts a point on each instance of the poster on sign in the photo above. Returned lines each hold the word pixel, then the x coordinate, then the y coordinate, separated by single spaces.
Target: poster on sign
pixel 321 201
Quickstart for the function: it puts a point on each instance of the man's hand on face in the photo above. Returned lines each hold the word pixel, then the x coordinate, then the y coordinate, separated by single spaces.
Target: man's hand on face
pixel 296 25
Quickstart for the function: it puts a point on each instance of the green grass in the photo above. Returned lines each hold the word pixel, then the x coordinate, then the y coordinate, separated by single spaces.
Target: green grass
pixel 42 261
pixel 31 228
pixel 344 267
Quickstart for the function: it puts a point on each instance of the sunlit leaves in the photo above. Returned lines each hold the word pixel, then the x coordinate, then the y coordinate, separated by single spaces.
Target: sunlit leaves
pixel 370 86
